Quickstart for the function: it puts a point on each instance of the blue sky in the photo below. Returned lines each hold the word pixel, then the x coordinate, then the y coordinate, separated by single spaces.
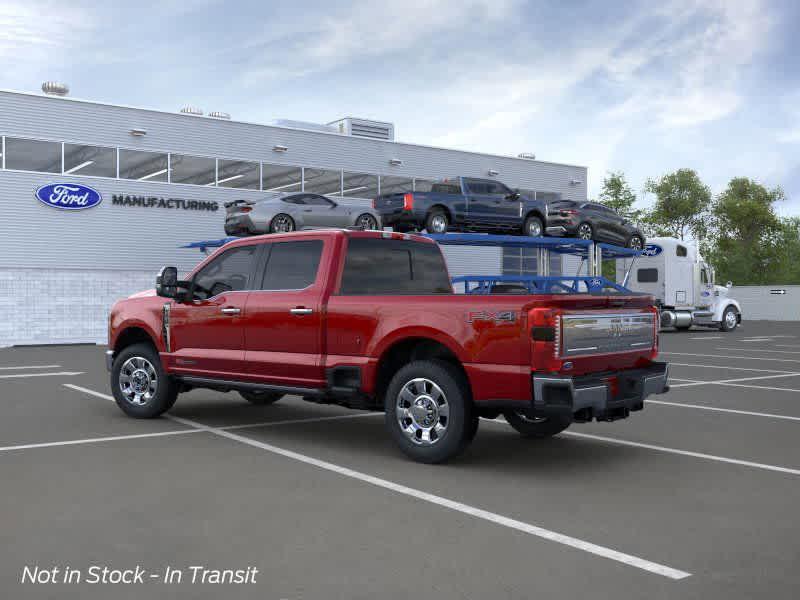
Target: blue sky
pixel 641 87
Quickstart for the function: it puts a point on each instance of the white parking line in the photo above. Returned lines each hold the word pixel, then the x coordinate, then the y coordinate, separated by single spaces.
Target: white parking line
pixel 675 364
pixel 30 367
pixel 84 390
pixel 20 375
pixel 724 381
pixel 706 337
pixel 786 345
pixel 609 553
pixel 762 387
pixel 761 350
pixel 792 360
pixel 712 457
pixel 724 410
pixel 97 440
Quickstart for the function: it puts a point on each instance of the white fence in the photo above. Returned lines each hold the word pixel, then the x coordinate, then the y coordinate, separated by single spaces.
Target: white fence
pixel 768 302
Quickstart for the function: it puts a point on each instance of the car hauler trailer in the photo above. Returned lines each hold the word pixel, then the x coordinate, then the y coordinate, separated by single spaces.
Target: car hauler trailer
pixel 683 285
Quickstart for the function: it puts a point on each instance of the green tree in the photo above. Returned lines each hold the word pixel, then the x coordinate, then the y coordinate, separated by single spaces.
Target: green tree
pixel 681 207
pixel 618 195
pixel 749 242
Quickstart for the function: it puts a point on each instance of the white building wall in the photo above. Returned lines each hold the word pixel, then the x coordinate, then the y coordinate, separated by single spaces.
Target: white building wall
pixel 59 306
pixel 759 303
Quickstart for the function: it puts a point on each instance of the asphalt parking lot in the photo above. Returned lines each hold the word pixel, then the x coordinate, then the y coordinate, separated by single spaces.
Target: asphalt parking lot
pixel 695 497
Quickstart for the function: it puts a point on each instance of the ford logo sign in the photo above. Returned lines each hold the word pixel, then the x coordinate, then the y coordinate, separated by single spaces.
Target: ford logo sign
pixel 68 196
pixel 652 250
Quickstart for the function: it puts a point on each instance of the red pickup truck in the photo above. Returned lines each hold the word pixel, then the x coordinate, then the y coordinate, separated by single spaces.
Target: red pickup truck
pixel 369 320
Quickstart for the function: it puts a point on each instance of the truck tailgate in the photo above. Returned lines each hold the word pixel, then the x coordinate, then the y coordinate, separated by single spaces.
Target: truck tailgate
pixel 582 334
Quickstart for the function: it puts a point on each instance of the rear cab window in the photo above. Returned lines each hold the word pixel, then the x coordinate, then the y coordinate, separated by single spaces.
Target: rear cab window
pixel 291 265
pixel 376 266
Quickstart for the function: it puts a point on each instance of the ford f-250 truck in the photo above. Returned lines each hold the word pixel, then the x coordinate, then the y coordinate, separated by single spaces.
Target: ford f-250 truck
pixel 369 320
pixel 464 203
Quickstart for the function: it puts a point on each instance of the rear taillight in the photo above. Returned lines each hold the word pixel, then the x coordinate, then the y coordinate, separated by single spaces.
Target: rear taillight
pixel 656 325
pixel 374 203
pixel 546 334
pixel 568 212
pixel 246 209
pixel 408 201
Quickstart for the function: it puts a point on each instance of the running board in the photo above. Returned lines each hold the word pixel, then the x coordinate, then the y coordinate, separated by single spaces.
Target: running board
pixel 225 385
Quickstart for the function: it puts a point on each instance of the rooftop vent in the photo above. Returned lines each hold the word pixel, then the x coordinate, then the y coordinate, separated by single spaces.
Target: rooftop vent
pixel 292 124
pixel 527 155
pixel 54 88
pixel 192 110
pixel 376 130
pixel 219 115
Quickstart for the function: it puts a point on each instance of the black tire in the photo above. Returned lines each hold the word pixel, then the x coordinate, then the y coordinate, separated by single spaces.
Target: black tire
pixel 585 231
pixel 282 223
pixel 142 369
pixel 533 227
pixel 728 323
pixel 460 425
pixel 260 398
pixel 437 221
pixel 367 221
pixel 635 242
pixel 539 428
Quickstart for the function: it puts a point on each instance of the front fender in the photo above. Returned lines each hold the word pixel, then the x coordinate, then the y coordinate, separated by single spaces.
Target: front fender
pixel 720 309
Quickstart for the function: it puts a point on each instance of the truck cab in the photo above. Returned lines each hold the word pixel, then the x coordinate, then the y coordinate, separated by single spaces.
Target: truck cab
pixel 683 284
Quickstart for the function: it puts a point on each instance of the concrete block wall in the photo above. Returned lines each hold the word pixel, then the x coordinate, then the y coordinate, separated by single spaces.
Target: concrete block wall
pixel 59 306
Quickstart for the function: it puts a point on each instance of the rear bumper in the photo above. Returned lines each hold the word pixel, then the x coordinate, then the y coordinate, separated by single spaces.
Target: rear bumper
pixel 240 225
pixel 596 396
pixel 394 218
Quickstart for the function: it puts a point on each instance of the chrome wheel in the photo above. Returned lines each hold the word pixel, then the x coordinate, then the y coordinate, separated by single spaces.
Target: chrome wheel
pixel 730 319
pixel 534 228
pixel 282 224
pixel 367 222
pixel 635 243
pixel 438 224
pixel 138 380
pixel 422 411
pixel 585 231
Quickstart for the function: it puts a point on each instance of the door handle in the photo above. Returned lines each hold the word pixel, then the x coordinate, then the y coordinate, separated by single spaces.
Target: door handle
pixel 231 311
pixel 301 311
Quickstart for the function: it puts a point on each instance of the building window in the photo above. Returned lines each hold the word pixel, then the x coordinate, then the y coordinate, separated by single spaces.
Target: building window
pixel 524 261
pixel 90 160
pixel 360 185
pixel 280 178
pixel 238 174
pixel 396 185
pixel 33 155
pixel 323 181
pixel 144 166
pixel 195 170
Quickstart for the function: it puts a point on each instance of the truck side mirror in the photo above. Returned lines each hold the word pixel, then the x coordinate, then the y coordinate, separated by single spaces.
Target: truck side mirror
pixel 167 282
pixel 729 285
pixel 514 195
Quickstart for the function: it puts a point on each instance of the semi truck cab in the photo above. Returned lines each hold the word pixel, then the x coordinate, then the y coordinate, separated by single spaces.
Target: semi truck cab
pixel 684 286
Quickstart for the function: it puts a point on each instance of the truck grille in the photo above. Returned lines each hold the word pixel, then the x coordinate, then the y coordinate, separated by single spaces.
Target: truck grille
pixel 586 335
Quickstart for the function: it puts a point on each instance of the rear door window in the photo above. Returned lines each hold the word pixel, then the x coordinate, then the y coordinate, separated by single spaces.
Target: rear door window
pixel 292 265
pixel 375 266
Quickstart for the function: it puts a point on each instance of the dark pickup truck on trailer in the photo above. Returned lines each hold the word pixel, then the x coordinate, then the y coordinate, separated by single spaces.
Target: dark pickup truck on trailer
pixel 369 320
pixel 464 204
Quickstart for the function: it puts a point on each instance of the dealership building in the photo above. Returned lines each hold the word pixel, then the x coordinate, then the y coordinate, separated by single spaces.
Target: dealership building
pixel 161 180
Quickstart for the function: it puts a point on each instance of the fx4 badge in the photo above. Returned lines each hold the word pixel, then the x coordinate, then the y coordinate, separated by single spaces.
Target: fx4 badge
pixel 502 316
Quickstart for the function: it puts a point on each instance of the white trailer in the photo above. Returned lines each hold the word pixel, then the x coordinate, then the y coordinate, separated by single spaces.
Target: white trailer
pixel 683 284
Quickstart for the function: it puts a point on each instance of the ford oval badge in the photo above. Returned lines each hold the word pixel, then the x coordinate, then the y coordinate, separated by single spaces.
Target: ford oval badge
pixel 652 250
pixel 68 196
